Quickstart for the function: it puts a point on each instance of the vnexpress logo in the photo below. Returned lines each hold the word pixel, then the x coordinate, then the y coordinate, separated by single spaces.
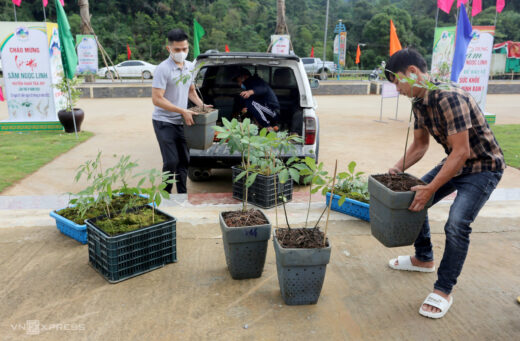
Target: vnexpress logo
pixel 34 327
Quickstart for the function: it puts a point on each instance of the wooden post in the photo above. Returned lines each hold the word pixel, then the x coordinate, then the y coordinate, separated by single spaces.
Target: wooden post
pixel 330 204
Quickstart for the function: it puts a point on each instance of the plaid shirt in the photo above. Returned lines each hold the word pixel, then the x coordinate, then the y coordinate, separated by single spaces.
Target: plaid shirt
pixel 451 110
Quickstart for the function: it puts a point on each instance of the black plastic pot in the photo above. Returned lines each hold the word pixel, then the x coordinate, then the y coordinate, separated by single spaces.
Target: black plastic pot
pixel 261 193
pixel 67 122
pixel 134 253
pixel 390 220
pixel 201 134
pixel 301 272
pixel 245 248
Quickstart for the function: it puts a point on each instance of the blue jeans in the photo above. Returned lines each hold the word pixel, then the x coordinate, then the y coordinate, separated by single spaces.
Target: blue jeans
pixel 473 190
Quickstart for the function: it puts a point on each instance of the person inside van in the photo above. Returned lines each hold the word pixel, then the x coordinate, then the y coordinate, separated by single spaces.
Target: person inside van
pixel 257 99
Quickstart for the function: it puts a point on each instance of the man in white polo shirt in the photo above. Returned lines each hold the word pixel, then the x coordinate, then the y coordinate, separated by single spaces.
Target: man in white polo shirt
pixel 171 88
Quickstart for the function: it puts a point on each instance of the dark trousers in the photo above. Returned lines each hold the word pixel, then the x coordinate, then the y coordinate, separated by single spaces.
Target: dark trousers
pixel 174 151
pixel 473 190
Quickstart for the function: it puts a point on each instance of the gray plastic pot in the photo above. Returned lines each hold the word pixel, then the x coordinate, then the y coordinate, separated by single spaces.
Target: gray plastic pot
pixel 200 135
pixel 390 220
pixel 301 272
pixel 245 248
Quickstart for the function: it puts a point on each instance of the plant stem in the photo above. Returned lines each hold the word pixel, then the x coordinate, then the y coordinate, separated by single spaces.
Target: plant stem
pixel 244 208
pixel 309 207
pixel 285 211
pixel 330 204
pixel 319 219
pixel 275 201
pixel 408 133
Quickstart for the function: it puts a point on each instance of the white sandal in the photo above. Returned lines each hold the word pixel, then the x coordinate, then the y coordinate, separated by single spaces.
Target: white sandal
pixel 405 263
pixel 438 302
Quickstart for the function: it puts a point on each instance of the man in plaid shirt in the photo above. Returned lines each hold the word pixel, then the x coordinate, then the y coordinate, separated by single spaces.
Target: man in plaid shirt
pixel 473 168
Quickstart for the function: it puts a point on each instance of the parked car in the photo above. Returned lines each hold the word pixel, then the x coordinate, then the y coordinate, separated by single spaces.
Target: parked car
pixel 316 67
pixel 130 68
pixel 288 79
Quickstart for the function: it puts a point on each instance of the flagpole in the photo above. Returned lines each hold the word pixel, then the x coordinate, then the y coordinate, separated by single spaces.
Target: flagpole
pixel 44 15
pixel 71 108
pixel 14 8
pixel 437 18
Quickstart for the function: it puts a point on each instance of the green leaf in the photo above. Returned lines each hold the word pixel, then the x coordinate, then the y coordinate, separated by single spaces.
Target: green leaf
pixel 295 175
pixel 342 200
pixel 311 163
pixel 240 176
pixel 251 179
pixel 351 167
pixel 283 176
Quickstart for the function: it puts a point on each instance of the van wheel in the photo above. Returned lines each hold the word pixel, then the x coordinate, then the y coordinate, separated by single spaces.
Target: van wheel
pixel 199 174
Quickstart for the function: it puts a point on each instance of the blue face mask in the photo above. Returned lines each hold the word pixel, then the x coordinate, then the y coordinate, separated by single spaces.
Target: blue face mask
pixel 243 86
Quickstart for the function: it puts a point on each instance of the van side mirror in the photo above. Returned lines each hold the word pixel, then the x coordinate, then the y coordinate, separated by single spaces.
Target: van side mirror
pixel 314 83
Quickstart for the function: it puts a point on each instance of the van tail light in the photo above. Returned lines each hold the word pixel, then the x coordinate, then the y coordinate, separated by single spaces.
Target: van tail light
pixel 310 130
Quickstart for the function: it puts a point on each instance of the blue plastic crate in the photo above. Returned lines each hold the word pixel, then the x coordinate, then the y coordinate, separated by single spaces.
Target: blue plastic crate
pixel 71 229
pixel 351 207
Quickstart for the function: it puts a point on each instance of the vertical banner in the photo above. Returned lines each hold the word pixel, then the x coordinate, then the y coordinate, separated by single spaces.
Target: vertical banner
pixel 342 48
pixel 60 99
pixel 475 74
pixel 336 49
pixel 443 50
pixel 27 71
pixel 87 50
pixel 281 44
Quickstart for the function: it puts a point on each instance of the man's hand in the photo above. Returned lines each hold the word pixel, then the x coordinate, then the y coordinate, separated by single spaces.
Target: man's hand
pixel 246 94
pixel 188 116
pixel 395 170
pixel 422 195
pixel 208 106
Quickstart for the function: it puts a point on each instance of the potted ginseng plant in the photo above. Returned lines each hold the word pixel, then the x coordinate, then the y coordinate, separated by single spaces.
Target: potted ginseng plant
pixel 302 253
pixel 390 194
pixel 245 232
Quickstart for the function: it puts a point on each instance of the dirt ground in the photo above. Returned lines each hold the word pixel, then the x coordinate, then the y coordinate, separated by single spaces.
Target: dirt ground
pixel 348 133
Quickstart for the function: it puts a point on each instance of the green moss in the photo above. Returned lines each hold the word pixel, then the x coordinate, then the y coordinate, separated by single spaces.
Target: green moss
pixel 118 203
pixel 129 222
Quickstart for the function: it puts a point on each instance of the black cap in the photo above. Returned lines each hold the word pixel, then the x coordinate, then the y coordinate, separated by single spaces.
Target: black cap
pixel 240 71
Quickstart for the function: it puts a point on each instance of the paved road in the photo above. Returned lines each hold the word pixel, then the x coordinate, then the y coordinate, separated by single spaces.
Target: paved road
pixel 348 132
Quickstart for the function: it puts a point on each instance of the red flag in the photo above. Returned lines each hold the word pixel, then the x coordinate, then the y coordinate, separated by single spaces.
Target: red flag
pixel 445 5
pixel 476 7
pixel 227 48
pixel 358 55
pixel 17 2
pixel 62 2
pixel 460 2
pixel 128 51
pixel 45 3
pixel 1 95
pixel 312 52
pixel 395 44
pixel 500 5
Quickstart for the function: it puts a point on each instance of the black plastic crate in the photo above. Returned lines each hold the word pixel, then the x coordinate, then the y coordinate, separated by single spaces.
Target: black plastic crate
pixel 131 254
pixel 262 193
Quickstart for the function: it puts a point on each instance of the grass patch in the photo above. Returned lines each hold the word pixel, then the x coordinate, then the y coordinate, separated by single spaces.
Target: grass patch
pixel 508 136
pixel 22 153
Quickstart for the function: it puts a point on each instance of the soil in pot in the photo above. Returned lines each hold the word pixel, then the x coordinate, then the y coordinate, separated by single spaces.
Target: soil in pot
pixel 118 202
pixel 130 221
pixel 241 218
pixel 398 182
pixel 300 238
pixel 200 110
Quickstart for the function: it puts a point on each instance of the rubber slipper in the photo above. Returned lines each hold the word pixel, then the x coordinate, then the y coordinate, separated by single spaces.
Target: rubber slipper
pixel 438 302
pixel 405 263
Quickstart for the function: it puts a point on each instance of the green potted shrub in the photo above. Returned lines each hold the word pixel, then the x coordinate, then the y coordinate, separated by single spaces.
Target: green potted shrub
pixel 390 196
pixel 265 161
pixel 81 206
pixel 351 194
pixel 135 240
pixel 70 114
pixel 246 232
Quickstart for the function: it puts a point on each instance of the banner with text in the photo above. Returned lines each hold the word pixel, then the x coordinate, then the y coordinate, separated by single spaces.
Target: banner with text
pixel 26 67
pixel 475 74
pixel 281 44
pixel 87 49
